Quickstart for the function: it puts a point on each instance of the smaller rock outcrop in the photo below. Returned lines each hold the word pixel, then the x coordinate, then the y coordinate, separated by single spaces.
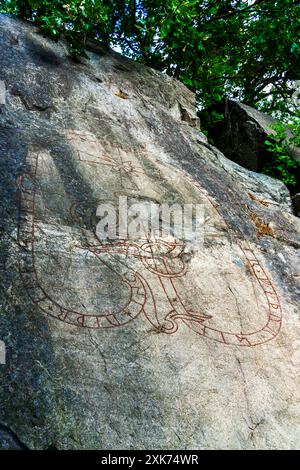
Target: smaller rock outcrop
pixel 296 201
pixel 241 135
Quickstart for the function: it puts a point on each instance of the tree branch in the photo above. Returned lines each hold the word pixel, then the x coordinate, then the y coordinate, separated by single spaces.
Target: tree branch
pixel 236 12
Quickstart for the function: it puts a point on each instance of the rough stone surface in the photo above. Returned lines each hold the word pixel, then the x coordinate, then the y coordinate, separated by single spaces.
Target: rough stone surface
pixel 297 203
pixel 145 344
pixel 242 135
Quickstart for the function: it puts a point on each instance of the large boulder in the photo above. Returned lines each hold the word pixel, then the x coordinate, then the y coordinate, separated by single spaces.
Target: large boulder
pixel 149 342
pixel 242 134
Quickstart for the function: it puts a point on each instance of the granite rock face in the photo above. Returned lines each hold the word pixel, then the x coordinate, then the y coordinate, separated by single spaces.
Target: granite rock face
pixel 242 135
pixel 297 203
pixel 151 343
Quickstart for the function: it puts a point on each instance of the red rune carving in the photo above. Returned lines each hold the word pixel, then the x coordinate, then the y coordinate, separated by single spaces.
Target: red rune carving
pixel 119 164
pixel 163 259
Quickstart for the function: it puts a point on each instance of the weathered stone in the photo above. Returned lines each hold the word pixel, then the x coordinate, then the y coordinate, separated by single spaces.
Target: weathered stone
pixel 297 203
pixel 9 440
pixel 242 135
pixel 159 343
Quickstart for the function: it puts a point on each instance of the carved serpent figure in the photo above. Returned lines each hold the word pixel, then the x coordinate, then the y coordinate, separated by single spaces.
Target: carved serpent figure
pixel 161 258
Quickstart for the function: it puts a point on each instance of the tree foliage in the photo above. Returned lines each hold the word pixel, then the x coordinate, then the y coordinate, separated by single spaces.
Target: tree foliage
pixel 281 165
pixel 245 49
